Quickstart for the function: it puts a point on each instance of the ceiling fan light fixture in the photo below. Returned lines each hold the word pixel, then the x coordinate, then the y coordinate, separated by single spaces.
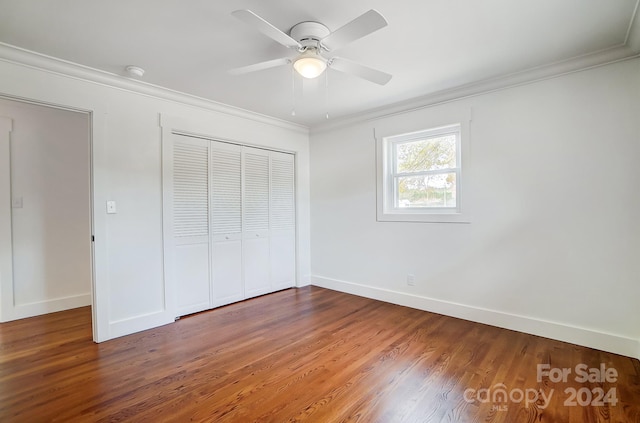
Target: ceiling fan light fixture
pixel 310 64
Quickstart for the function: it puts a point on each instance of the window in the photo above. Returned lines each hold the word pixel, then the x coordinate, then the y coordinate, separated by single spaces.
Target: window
pixel 421 175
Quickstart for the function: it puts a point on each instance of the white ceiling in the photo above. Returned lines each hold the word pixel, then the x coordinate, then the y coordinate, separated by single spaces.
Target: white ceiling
pixel 429 45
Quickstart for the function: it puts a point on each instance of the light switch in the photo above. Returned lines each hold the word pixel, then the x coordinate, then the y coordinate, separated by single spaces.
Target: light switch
pixel 16 202
pixel 111 207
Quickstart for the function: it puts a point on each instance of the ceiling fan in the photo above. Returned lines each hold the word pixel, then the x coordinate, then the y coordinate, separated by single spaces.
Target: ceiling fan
pixel 312 40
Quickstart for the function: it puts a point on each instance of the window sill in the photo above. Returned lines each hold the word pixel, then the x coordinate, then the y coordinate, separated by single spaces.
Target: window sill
pixel 424 217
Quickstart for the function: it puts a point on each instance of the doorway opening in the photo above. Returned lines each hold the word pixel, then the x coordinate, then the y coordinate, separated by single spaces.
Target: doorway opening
pixel 46 251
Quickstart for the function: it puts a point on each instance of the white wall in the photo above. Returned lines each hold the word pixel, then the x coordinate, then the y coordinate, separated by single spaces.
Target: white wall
pixel 51 230
pixel 565 268
pixel 130 293
pixel 554 239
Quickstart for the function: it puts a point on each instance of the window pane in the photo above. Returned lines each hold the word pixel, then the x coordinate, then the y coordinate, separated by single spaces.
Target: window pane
pixel 429 154
pixel 427 191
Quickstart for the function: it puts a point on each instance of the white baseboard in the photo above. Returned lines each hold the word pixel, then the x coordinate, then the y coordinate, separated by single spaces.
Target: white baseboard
pixel 22 311
pixel 581 336
pixel 138 324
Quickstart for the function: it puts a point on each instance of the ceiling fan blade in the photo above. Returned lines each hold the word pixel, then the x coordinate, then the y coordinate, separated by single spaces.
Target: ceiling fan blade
pixel 260 66
pixel 364 72
pixel 248 17
pixel 361 26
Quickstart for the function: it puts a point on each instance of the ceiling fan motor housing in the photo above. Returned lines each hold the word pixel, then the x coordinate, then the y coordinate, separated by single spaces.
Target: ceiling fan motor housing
pixel 309 34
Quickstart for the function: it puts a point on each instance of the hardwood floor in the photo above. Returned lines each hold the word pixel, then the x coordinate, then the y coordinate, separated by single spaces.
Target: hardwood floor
pixel 305 354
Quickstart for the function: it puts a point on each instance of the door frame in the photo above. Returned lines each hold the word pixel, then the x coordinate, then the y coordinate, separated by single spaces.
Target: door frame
pixel 7 299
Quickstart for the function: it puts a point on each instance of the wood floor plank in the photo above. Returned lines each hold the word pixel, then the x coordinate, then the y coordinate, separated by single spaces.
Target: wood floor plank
pixel 299 355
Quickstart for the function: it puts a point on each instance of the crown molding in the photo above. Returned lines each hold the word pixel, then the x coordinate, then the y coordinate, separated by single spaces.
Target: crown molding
pixel 601 58
pixel 53 65
pixel 632 39
pixel 629 49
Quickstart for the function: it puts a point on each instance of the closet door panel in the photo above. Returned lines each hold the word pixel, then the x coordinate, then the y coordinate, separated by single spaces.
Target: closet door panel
pixel 192 268
pixel 256 266
pixel 227 272
pixel 255 243
pixel 226 218
pixel 191 224
pixel 282 221
pixel 283 260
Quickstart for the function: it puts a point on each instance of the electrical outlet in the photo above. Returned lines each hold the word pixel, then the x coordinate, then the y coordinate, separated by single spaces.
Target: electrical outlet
pixel 411 279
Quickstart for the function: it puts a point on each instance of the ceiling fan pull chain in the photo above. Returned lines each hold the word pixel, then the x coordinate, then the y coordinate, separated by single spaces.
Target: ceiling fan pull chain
pixel 326 89
pixel 293 91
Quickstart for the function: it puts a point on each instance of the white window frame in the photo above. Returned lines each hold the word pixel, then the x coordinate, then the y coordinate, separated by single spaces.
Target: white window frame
pixel 387 211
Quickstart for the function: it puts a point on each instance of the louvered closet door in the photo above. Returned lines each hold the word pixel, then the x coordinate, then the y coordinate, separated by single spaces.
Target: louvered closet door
pixel 226 223
pixel 233 221
pixel 191 224
pixel 255 254
pixel 282 237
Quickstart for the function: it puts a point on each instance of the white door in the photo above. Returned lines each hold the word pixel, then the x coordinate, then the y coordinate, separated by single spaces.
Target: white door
pixel 282 236
pixel 255 234
pixel 232 219
pixel 191 224
pixel 226 222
